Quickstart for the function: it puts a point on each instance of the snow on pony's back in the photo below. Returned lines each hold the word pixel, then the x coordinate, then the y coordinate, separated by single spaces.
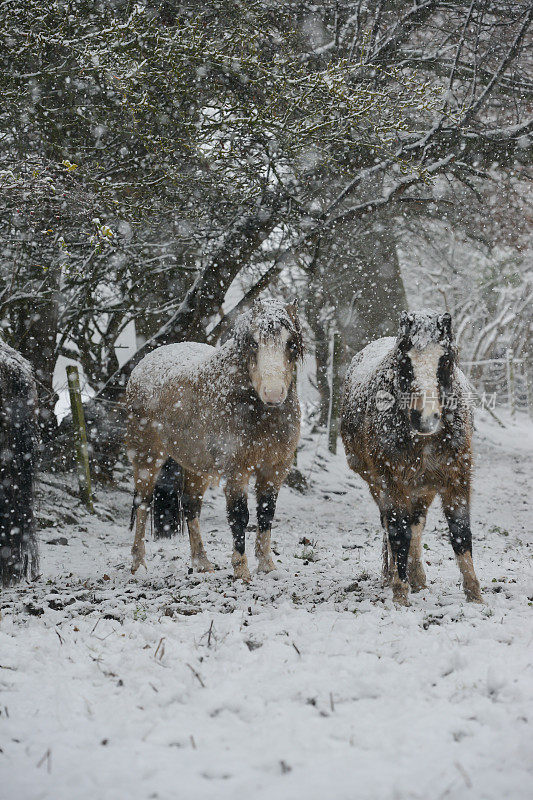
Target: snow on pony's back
pixel 165 363
pixel 12 361
pixel 366 363
pixel 173 362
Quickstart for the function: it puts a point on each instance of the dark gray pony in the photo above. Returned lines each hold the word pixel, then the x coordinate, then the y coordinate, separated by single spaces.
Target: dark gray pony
pixel 407 430
pixel 18 461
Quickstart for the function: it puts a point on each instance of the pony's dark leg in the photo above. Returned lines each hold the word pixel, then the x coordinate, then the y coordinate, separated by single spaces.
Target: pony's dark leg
pixel 399 530
pixel 266 490
pixel 168 499
pixel 456 507
pixel 194 487
pixel 387 563
pixel 387 569
pixel 238 516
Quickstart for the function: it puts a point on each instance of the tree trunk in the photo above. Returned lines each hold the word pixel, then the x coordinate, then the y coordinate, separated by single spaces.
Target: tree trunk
pixel 206 295
pixel 364 282
pixel 322 357
pixel 380 294
pixel 315 311
pixel 36 339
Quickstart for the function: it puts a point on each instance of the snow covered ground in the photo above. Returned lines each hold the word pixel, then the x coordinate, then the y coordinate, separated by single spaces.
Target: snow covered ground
pixel 308 683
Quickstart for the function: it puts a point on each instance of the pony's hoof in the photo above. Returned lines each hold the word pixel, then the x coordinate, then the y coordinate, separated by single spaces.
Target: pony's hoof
pixel 402 601
pixel 240 567
pixel 266 565
pixel 136 563
pixel 242 573
pixel 472 591
pixel 400 594
pixel 417 578
pixel 202 565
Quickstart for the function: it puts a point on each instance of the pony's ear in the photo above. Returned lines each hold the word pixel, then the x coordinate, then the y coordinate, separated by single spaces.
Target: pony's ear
pixel 292 310
pixel 445 325
pixel 404 327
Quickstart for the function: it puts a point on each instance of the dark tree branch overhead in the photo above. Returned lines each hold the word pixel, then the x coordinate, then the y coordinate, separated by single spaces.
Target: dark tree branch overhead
pixel 476 105
pixel 416 15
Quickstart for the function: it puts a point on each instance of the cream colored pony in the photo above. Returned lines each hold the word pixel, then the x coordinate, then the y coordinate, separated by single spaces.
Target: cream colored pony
pixel 229 412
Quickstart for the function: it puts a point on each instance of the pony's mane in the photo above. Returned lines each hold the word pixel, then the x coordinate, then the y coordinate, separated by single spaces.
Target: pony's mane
pixel 268 317
pixel 424 328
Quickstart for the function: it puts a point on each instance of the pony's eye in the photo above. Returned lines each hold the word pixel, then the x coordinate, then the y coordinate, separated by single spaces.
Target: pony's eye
pixel 292 347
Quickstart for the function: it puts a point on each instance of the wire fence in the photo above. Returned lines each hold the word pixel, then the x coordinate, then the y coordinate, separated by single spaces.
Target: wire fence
pixel 504 382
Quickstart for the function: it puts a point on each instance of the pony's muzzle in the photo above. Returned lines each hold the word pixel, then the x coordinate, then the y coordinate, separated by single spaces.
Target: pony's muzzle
pixel 426 424
pixel 273 396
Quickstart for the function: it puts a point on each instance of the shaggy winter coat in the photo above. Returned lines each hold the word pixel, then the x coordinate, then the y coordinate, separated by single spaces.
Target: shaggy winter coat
pixel 387 442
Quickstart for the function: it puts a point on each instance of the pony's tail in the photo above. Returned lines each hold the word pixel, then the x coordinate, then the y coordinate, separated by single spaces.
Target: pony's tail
pixel 168 501
pixel 19 555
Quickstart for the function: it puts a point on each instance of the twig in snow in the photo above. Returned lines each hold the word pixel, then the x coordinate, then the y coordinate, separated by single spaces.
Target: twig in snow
pixel 161 646
pixel 48 758
pixel 103 638
pixel 148 732
pixel 193 743
pixel 331 703
pixel 196 675
pixel 59 636
pixel 296 649
pixel 464 773
pixel 210 634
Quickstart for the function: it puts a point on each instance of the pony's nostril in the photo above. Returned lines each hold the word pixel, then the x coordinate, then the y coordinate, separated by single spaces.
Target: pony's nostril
pixel 273 396
pixel 416 418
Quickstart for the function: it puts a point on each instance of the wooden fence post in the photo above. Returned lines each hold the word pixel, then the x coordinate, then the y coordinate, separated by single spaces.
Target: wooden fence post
pixel 510 381
pixel 80 437
pixel 335 395
pixel 295 462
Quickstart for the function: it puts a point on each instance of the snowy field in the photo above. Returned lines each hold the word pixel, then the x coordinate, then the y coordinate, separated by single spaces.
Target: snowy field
pixel 308 683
